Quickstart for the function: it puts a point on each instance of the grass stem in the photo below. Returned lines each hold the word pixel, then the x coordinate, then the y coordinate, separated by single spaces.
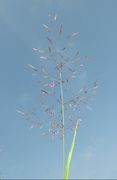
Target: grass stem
pixel 62 118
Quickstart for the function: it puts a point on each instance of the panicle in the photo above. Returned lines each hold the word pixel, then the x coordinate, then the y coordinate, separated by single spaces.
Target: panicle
pixel 57 69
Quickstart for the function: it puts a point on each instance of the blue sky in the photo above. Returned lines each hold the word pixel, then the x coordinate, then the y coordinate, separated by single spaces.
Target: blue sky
pixel 24 153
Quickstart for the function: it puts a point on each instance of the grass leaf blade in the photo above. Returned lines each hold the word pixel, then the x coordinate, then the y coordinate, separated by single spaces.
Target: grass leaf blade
pixel 66 175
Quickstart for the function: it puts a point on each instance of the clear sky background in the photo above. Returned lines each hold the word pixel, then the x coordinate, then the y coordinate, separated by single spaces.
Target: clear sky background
pixel 25 153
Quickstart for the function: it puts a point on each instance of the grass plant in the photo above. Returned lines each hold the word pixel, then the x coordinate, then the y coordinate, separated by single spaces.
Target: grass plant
pixel 58 67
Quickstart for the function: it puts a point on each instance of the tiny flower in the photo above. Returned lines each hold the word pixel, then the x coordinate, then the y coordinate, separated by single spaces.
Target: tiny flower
pixel 73 34
pixel 46 27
